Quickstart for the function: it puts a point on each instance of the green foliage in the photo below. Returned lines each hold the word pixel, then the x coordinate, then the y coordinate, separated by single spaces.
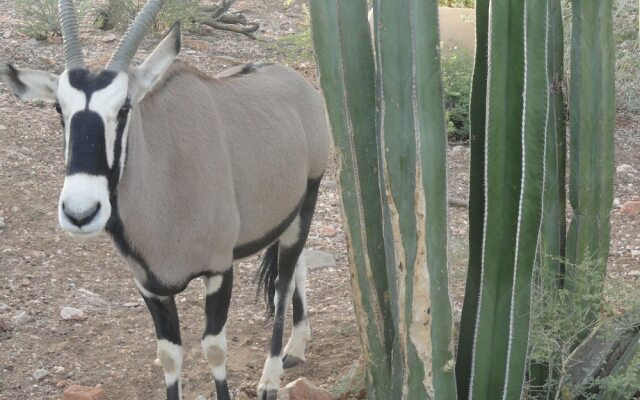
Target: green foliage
pixel 457 3
pixel 457 70
pixel 40 17
pixel 560 316
pixel 118 14
pixel 298 47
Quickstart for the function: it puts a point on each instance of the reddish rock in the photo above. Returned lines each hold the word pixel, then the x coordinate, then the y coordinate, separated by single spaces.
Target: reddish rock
pixel 328 230
pixel 77 392
pixel 196 44
pixel 302 389
pixel 630 208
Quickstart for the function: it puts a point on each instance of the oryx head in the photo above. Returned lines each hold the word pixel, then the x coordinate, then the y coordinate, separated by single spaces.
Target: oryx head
pixel 95 110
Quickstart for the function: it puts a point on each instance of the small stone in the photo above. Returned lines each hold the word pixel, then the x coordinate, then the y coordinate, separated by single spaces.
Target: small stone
pixel 15 209
pixel 77 392
pixel 3 128
pixel 4 307
pixel 302 389
pixel 25 282
pixel 62 383
pixel 633 273
pixel 59 370
pixel 328 231
pixel 72 314
pixel 616 202
pixel 40 374
pixel 635 198
pixel 630 208
pixel 625 168
pixel 7 34
pixel 32 42
pixel 635 253
pixel 2 223
pixel 22 318
pixel 131 304
pixel 317 259
pixel 91 300
pixel 201 397
pixel 109 38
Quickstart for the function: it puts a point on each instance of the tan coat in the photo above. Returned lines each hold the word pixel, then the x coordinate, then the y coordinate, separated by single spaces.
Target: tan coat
pixel 215 163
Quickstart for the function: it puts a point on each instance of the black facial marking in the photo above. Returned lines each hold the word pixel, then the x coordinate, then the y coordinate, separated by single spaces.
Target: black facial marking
pixel 87 152
pixel 114 173
pixel 89 82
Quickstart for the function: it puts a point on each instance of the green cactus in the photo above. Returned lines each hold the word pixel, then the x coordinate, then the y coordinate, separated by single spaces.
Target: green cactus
pixel 398 244
pixel 592 108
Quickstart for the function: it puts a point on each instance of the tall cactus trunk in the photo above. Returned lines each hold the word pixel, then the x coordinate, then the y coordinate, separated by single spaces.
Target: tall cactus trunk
pixel 477 117
pixel 392 161
pixel 345 63
pixel 592 107
pixel 551 253
pixel 514 143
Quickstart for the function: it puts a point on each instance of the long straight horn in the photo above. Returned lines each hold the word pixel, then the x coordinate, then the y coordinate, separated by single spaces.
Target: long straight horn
pixel 73 56
pixel 129 44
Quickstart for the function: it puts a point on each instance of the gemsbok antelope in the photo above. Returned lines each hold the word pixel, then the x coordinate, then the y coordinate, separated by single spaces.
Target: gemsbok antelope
pixel 188 173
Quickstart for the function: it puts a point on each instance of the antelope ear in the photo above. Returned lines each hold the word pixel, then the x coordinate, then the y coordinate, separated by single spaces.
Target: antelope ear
pixel 30 84
pixel 151 70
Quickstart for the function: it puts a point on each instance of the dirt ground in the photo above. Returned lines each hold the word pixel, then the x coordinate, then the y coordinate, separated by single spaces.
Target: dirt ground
pixel 42 269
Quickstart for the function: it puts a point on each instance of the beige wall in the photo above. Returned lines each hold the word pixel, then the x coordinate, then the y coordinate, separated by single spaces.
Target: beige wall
pixel 457 27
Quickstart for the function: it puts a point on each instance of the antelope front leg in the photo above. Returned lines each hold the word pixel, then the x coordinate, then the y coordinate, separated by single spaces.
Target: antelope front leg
pixel 165 318
pixel 214 340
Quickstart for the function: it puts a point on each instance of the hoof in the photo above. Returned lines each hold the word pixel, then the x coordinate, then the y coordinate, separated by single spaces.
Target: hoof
pixel 291 361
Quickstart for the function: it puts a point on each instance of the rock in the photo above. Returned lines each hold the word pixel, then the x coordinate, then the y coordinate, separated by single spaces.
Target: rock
pixel 625 168
pixel 635 253
pixel 32 42
pixel 22 318
pixel 328 230
pixel 77 392
pixel 633 273
pixel 59 370
pixel 40 374
pixel 302 389
pixel 91 300
pixel 3 128
pixel 109 38
pixel 201 397
pixel 196 44
pixel 4 307
pixel 616 202
pixel 15 209
pixel 317 259
pixel 630 208
pixel 72 314
pixel 7 34
pixel 62 383
pixel 2 223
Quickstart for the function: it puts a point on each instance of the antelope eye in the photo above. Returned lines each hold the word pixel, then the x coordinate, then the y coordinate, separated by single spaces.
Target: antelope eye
pixel 58 108
pixel 124 110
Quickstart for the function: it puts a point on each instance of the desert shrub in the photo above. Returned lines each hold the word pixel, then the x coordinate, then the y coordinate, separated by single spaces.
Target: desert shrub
pixel 118 14
pixel 40 17
pixel 457 3
pixel 457 70
pixel 558 319
pixel 627 50
pixel 296 48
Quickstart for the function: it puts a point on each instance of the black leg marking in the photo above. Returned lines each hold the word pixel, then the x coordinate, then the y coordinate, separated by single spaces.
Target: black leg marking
pixel 217 305
pixel 173 391
pixel 165 319
pixel 214 346
pixel 222 390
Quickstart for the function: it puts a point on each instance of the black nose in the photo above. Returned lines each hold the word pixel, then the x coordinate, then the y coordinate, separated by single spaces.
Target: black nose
pixel 82 218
